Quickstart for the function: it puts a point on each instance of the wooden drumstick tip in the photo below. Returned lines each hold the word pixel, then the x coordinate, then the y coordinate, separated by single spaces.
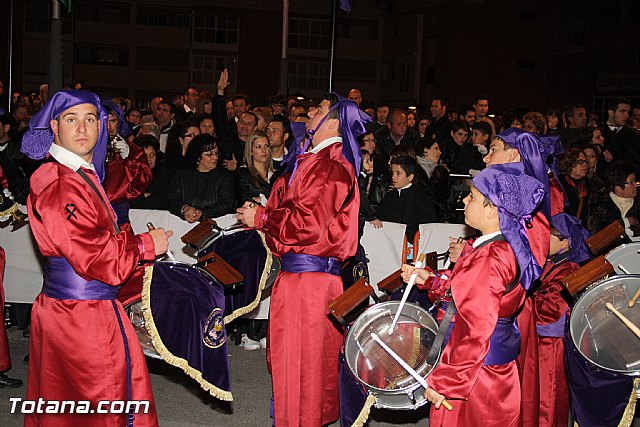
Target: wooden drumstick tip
pixel 622 317
pixel 150 226
pixel 633 300
pixel 447 405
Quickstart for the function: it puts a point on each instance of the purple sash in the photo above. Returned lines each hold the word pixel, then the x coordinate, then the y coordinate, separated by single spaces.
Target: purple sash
pixel 122 211
pixel 62 282
pixel 303 263
pixel 555 329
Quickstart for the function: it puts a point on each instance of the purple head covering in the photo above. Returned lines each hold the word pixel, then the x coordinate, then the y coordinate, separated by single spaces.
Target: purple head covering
pixel 534 152
pixel 571 228
pixel 39 138
pixel 516 196
pixel 112 107
pixel 352 125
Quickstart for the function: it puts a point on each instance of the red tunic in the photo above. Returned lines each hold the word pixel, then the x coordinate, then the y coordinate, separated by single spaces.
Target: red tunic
pixel 316 215
pixel 5 356
pixel 550 306
pixel 539 236
pixel 480 395
pixel 76 349
pixel 127 179
pixel 556 194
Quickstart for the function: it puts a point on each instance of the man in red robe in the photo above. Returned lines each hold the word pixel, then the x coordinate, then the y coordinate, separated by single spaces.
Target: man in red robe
pixel 83 348
pixel 477 370
pixel 311 223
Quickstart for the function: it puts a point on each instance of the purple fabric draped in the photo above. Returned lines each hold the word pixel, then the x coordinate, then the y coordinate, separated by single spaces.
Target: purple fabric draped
pixel 516 196
pixel 38 139
pixel 598 396
pixel 62 282
pixel 122 211
pixel 555 329
pixel 534 153
pixel 112 107
pixel 352 394
pixel 355 268
pixel 245 252
pixel 303 263
pixel 571 228
pixel 187 309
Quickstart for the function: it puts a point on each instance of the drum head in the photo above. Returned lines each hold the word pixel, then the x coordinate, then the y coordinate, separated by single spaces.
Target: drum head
pixel 599 335
pixel 625 257
pixel 375 368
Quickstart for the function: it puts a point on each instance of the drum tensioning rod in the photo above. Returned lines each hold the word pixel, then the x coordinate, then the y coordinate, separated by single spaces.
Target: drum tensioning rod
pixel 407 368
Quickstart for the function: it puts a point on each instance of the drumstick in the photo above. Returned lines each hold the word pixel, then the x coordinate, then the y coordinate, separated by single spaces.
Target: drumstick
pixel 407 368
pixel 634 299
pixel 405 295
pixel 626 321
pixel 150 227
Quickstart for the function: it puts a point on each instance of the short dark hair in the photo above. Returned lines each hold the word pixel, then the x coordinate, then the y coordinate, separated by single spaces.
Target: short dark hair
pixel 286 125
pixel 243 96
pixel 480 98
pixel 144 141
pixel 426 143
pixel 251 114
pixel 198 145
pixel 616 174
pixel 443 101
pixel 402 150
pixel 186 91
pixel 571 109
pixel 568 160
pixel 613 104
pixel 407 163
pixel 168 104
pixel 203 117
pixel 482 127
pixel 459 124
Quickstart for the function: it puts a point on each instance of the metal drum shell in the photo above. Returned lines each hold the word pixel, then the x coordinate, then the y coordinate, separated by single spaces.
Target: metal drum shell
pixel 410 396
pixel 627 255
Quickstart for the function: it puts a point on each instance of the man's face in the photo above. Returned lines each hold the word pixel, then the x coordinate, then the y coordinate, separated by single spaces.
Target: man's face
pixel 229 107
pixel 164 115
pixel 21 114
pixel 579 119
pixel 112 125
pixel 191 98
pixel 355 95
pixel 630 189
pixel 277 108
pixel 4 132
pixel 275 134
pixel 316 115
pixel 482 108
pixel 134 117
pixel 620 116
pixel 247 125
pixel 636 113
pixel 437 109
pixel 206 126
pixel 294 111
pixel 153 106
pixel 239 107
pixel 399 125
pixel 382 113
pixel 77 130
pixel 470 117
pixel 497 155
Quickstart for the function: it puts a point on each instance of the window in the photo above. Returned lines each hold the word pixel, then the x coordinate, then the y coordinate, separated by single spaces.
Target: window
pixel 37 19
pixel 308 74
pixel 215 29
pixel 360 30
pixel 115 14
pixel 162 59
pixel 389 70
pixel 309 33
pixel 406 76
pixel 207 69
pixel 163 17
pixel 102 55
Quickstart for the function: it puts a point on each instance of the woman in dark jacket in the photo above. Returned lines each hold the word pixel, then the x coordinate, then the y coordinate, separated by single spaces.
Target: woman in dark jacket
pixel 573 172
pixel 203 190
pixel 253 181
pixel 177 143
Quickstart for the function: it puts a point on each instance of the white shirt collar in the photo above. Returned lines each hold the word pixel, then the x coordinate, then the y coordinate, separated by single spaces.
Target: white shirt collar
pixel 403 188
pixel 69 159
pixel 324 144
pixel 279 159
pixel 485 237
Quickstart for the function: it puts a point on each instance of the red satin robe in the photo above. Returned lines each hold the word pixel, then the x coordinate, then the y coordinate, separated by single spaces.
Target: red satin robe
pixel 316 215
pixel 127 179
pixel 76 349
pixel 551 305
pixel 556 194
pixel 5 356
pixel 527 361
pixel 480 395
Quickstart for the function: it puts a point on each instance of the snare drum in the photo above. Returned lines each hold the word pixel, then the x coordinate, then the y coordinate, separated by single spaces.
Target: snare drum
pixel 603 355
pixel 393 387
pixel 624 258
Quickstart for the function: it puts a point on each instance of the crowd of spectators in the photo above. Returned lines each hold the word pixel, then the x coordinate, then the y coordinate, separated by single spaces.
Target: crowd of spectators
pixel 211 152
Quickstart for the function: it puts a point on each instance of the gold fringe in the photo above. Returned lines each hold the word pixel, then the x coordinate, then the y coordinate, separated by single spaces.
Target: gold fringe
pixel 629 411
pixel 12 210
pixel 166 355
pixel 263 280
pixel 364 412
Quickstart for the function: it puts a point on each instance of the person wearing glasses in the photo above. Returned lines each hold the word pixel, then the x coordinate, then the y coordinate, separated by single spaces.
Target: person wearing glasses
pixel 177 143
pixel 573 167
pixel 617 201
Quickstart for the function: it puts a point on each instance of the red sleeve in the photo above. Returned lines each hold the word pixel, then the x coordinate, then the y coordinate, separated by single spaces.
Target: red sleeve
pixel 3 180
pixel 539 236
pixel 477 289
pixel 128 178
pixel 86 238
pixel 549 302
pixel 304 214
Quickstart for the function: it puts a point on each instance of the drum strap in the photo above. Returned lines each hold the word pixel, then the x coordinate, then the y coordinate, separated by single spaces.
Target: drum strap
pixel 442 331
